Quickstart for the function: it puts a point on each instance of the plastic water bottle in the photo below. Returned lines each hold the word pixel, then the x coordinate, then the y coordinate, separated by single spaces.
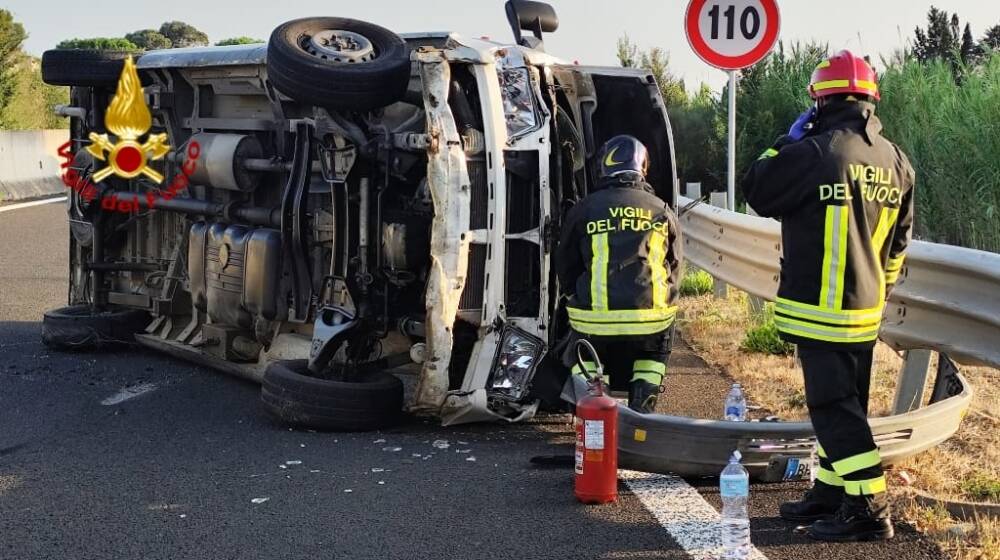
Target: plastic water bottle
pixel 736 405
pixel 734 486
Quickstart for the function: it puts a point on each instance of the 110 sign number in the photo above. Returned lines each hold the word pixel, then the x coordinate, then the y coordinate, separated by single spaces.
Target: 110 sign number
pixel 749 21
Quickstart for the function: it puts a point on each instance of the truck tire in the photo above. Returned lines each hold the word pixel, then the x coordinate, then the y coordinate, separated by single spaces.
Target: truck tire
pixel 83 67
pixel 338 63
pixel 292 396
pixel 78 327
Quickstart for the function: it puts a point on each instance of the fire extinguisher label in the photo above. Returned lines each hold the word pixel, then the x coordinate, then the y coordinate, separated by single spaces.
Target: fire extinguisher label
pixel 579 461
pixel 593 434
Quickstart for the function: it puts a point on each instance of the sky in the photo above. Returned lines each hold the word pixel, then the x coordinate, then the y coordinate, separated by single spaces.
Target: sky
pixel 588 29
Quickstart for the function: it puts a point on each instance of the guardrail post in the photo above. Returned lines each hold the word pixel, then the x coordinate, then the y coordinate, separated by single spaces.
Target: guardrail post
pixel 912 379
pixel 693 191
pixel 719 288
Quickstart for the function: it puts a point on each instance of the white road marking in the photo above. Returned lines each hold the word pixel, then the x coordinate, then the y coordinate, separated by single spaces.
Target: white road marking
pixel 18 206
pixel 691 521
pixel 128 393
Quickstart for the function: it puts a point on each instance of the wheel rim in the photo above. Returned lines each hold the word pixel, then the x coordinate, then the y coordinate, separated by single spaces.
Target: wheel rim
pixel 339 45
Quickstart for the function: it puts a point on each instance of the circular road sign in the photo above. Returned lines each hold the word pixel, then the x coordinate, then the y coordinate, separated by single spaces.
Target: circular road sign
pixel 732 34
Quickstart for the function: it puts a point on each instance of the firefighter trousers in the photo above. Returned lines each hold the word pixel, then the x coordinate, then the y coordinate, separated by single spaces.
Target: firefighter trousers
pixel 645 355
pixel 837 384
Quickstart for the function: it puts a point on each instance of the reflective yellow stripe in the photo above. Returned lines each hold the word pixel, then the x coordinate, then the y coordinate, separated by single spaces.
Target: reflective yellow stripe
pixel 828 477
pixel 860 461
pixel 768 153
pixel 892 269
pixel 865 487
pixel 886 221
pixel 866 84
pixel 650 366
pixel 621 329
pixel 820 451
pixel 830 84
pixel 823 332
pixel 856 317
pixel 648 377
pixel 831 293
pixel 599 271
pixel 621 315
pixel 658 273
pixel 824 64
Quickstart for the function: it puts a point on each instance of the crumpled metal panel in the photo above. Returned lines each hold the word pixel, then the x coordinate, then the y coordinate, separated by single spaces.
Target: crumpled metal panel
pixel 946 298
pixel 448 180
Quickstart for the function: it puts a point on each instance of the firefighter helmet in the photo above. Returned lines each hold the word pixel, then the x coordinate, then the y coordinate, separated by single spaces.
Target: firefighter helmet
pixel 843 73
pixel 623 154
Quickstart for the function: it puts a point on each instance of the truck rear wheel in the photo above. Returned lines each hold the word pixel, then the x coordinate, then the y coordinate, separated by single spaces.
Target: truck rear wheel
pixel 294 397
pixel 79 327
pixel 338 63
pixel 83 67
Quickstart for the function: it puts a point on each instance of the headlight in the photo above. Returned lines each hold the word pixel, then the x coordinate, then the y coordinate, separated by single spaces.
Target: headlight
pixel 514 364
pixel 518 101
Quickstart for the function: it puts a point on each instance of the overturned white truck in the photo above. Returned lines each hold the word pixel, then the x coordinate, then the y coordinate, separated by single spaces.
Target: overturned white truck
pixel 360 200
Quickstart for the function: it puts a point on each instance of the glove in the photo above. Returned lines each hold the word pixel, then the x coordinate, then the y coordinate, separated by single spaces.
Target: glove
pixel 798 130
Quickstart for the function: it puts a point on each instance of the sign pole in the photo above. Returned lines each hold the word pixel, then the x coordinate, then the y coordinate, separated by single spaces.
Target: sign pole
pixel 731 192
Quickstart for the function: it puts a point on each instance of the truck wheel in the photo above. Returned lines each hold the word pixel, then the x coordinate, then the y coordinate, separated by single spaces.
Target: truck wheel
pixel 83 67
pixel 338 63
pixel 78 327
pixel 292 396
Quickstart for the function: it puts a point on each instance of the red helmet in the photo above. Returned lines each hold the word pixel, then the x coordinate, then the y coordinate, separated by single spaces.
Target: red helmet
pixel 843 73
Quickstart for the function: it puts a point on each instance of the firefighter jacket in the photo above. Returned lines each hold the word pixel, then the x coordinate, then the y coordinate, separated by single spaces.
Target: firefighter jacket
pixel 844 195
pixel 619 256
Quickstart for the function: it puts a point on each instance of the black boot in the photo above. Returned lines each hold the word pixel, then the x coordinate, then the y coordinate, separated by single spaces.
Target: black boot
pixel 642 396
pixel 860 518
pixel 821 501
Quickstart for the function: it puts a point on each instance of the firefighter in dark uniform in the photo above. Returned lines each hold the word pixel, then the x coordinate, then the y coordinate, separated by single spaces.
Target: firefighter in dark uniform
pixel 844 195
pixel 619 257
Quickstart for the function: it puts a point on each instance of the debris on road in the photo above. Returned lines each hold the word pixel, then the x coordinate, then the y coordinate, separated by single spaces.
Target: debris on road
pixel 293 462
pixel 259 500
pixel 441 444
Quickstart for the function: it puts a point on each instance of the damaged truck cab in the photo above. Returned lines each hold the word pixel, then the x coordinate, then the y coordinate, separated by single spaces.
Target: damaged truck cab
pixel 360 201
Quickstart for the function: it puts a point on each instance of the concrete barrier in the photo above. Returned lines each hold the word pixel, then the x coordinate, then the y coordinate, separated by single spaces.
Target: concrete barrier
pixel 29 163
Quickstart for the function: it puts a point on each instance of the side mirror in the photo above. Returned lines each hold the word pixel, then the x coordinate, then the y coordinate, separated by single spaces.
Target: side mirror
pixel 537 17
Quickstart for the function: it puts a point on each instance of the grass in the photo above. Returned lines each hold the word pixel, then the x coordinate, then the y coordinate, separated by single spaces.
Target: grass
pixel 965 467
pixel 982 488
pixel 696 282
pixel 763 338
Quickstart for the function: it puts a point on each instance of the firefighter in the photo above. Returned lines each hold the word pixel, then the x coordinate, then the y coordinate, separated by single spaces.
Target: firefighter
pixel 619 257
pixel 844 195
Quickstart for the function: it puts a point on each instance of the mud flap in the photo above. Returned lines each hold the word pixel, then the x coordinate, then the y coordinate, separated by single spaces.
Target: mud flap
pixel 448 179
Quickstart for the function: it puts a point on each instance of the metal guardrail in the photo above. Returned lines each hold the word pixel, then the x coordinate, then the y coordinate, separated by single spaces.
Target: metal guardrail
pixel 947 298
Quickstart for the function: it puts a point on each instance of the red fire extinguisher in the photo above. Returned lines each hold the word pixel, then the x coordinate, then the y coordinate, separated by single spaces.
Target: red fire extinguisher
pixel 596 437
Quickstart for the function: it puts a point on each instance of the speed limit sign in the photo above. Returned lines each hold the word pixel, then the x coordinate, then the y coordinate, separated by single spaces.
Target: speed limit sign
pixel 732 34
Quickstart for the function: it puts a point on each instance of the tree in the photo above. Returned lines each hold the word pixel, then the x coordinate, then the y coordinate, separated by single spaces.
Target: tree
pixel 11 36
pixel 940 40
pixel 183 35
pixel 149 39
pixel 244 40
pixel 971 51
pixel 991 39
pixel 657 62
pixel 101 43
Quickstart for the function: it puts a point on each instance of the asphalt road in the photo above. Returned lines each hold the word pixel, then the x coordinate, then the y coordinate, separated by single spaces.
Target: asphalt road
pixel 175 472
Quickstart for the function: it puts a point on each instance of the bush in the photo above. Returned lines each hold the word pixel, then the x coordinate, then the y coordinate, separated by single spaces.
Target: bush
pixel 763 338
pixel 696 282
pixel 948 128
